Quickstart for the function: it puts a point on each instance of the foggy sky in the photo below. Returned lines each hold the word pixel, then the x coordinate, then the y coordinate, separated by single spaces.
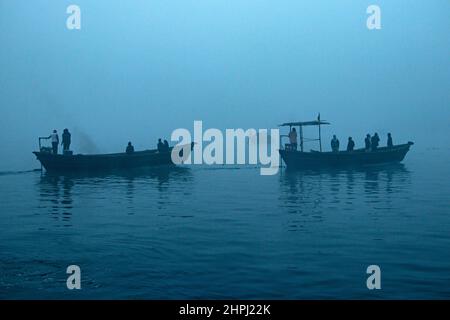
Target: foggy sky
pixel 139 69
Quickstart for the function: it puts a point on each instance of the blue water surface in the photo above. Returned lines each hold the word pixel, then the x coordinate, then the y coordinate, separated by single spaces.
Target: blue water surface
pixel 228 232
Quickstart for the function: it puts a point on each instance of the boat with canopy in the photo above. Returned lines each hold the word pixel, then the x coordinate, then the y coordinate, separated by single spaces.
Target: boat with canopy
pixel 301 159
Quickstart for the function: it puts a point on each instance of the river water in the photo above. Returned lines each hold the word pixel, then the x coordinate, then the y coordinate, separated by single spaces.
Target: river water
pixel 228 232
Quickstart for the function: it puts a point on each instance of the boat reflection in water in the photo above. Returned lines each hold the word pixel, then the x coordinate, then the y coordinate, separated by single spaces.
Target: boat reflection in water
pixel 318 194
pixel 55 194
pixel 61 194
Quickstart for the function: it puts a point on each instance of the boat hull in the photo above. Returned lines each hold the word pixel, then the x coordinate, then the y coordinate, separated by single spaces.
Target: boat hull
pixel 102 162
pixel 357 158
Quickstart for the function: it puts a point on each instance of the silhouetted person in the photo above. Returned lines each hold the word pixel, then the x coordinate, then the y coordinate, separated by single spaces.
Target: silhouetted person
pixel 166 146
pixel 390 144
pixel 293 139
pixel 55 141
pixel 375 141
pixel 66 140
pixel 367 142
pixel 130 148
pixel 335 144
pixel 160 145
pixel 350 144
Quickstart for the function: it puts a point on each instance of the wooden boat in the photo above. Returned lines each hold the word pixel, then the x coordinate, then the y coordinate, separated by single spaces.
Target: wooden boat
pixel 299 159
pixel 102 162
pixel 93 163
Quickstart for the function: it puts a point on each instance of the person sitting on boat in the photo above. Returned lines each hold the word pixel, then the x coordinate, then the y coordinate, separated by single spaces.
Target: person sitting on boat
pixel 367 142
pixel 166 146
pixel 350 144
pixel 55 141
pixel 130 148
pixel 375 141
pixel 335 144
pixel 66 139
pixel 390 144
pixel 293 139
pixel 160 145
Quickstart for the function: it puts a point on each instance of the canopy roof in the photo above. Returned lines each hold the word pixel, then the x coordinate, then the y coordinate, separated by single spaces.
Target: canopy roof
pixel 304 123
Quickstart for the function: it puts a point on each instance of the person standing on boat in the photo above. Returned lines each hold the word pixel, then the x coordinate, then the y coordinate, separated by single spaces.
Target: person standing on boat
pixel 375 141
pixel 130 148
pixel 367 142
pixel 55 141
pixel 350 144
pixel 293 139
pixel 390 144
pixel 160 145
pixel 66 139
pixel 166 146
pixel 335 144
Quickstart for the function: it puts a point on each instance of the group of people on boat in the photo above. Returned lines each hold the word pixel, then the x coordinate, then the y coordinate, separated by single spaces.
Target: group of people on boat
pixel 371 142
pixel 161 146
pixel 54 138
pixel 67 139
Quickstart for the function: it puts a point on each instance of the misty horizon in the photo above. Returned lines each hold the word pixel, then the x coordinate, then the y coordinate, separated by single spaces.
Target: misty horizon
pixel 138 70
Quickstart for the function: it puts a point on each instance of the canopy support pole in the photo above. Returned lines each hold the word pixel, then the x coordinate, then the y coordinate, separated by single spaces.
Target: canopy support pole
pixel 320 139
